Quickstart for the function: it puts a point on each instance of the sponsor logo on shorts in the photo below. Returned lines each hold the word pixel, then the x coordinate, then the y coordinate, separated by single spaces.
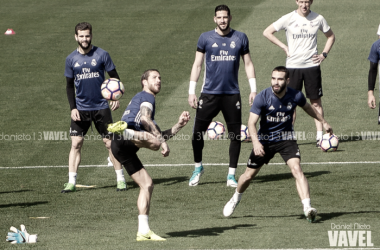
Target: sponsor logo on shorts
pixel 238 105
pixel 200 103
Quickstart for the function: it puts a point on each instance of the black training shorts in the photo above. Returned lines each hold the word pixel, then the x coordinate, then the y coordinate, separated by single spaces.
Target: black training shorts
pixel 125 151
pixel 310 77
pixel 287 150
pixel 101 119
pixel 210 105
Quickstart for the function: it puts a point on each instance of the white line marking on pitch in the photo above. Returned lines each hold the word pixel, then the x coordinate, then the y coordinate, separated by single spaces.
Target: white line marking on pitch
pixel 205 164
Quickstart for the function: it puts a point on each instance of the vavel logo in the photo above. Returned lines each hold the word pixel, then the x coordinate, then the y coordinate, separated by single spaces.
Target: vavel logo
pixel 353 234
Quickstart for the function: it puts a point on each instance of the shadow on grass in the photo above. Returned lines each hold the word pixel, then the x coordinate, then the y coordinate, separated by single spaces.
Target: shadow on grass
pixel 171 181
pixel 321 217
pixel 274 177
pixel 18 191
pixel 212 231
pixel 25 204
pixel 133 185
pixel 279 177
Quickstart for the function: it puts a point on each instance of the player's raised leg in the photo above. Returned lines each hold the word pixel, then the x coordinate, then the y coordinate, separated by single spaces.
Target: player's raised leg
pixel 74 161
pixel 302 188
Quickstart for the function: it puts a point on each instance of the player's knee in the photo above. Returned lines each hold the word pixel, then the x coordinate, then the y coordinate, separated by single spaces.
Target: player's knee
pixel 247 176
pixel 76 144
pixel 148 185
pixel 297 172
pixel 316 103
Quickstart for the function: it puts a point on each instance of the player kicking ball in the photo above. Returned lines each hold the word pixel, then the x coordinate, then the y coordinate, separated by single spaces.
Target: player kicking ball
pixel 275 106
pixel 142 132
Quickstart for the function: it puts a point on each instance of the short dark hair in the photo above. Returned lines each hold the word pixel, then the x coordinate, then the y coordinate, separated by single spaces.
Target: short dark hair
pixel 222 7
pixel 282 69
pixel 83 26
pixel 146 75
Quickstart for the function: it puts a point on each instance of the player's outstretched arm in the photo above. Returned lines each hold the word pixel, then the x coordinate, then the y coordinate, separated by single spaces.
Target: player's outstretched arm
pixel 268 33
pixel 195 73
pixel 310 110
pixel 257 146
pixel 182 121
pixel 251 75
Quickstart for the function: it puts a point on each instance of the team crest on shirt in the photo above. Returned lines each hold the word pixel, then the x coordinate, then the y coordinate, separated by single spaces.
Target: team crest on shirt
pixel 232 45
pixel 289 107
pixel 93 62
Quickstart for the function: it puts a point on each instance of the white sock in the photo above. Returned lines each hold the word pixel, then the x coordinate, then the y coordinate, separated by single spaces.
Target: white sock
pixel 198 164
pixel 72 178
pixel 306 203
pixel 144 224
pixel 231 171
pixel 237 196
pixel 120 175
pixel 319 135
pixel 128 134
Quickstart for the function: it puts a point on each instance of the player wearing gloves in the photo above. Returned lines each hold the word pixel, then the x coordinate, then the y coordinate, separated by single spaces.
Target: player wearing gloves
pixel 20 236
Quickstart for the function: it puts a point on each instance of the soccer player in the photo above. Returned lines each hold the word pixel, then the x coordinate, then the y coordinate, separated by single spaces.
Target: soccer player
pixel 303 60
pixel 275 107
pixel 222 49
pixel 143 132
pixel 85 69
pixel 374 59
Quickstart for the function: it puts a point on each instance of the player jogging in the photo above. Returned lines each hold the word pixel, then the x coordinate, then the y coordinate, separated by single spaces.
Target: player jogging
pixel 143 132
pixel 222 49
pixel 85 68
pixel 374 59
pixel 303 60
pixel 275 107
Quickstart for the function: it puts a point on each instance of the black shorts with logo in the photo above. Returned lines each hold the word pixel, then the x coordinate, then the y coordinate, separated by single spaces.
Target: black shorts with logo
pixel 125 151
pixel 287 150
pixel 209 105
pixel 101 119
pixel 310 77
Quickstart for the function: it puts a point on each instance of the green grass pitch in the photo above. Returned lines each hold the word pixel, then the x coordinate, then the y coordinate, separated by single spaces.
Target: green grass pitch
pixel 163 34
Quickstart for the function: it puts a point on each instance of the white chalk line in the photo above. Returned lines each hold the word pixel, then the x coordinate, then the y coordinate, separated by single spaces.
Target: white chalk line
pixel 205 164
